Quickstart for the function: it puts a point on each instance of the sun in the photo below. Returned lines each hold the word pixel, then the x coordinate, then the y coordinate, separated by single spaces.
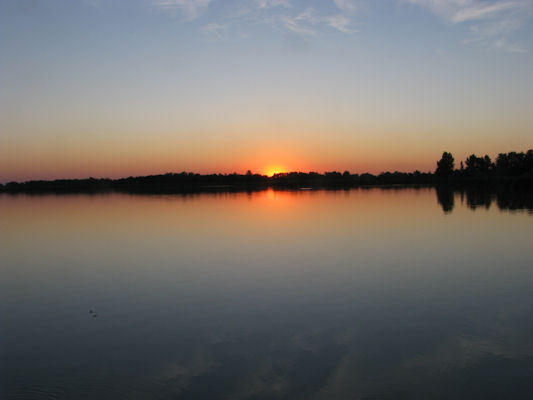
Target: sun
pixel 274 169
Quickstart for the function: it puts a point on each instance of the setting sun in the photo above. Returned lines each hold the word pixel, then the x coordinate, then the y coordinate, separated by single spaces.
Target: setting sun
pixel 273 170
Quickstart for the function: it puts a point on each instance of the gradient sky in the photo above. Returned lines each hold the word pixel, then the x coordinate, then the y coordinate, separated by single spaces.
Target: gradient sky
pixel 119 88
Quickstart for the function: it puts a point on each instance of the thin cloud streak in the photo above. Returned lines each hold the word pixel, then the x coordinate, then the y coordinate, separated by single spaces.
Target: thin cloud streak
pixel 294 25
pixel 192 9
pixel 273 3
pixel 341 23
pixel 348 6
pixel 493 23
pixel 271 12
pixel 307 22
pixel 214 30
pixel 479 11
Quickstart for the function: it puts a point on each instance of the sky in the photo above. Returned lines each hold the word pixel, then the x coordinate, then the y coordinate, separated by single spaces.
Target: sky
pixel 123 88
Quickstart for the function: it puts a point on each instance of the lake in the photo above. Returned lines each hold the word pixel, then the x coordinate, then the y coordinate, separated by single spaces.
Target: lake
pixel 396 293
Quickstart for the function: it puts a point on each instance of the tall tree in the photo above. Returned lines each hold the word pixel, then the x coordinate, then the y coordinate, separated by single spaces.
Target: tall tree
pixel 478 165
pixel 445 165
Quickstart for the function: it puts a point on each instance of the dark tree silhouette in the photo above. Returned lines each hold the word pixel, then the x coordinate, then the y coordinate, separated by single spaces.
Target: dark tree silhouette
pixel 445 165
pixel 514 164
pixel 512 168
pixel 479 165
pixel 445 197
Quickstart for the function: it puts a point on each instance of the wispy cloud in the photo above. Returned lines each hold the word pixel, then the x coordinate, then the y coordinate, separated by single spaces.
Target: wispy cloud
pixel 273 3
pixel 457 11
pixel 297 26
pixel 491 22
pixel 308 21
pixel 348 6
pixel 483 11
pixel 294 18
pixel 308 15
pixel 192 9
pixel 214 30
pixel 341 23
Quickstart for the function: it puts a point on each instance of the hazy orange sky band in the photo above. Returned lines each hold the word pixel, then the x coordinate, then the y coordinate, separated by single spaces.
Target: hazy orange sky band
pixel 129 88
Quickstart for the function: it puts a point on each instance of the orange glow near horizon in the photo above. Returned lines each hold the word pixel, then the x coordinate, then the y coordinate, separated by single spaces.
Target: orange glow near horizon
pixel 274 169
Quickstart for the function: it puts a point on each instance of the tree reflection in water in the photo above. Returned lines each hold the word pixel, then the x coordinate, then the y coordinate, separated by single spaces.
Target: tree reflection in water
pixel 506 198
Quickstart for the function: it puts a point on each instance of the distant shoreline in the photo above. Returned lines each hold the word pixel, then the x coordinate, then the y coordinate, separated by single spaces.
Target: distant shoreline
pixel 510 169
pixel 196 183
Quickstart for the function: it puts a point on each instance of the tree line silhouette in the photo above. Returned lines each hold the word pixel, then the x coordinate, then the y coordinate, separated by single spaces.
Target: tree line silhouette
pixel 509 168
pixel 511 164
pixel 480 182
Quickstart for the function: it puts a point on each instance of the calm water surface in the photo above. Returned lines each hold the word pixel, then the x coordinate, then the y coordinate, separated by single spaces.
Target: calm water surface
pixel 361 294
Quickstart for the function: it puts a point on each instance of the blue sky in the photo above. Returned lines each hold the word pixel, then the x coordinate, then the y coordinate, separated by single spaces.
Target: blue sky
pixel 111 88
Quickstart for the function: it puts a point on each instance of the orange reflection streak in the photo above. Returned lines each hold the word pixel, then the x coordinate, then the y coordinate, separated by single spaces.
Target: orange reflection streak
pixel 183 216
pixel 183 223
pixel 276 198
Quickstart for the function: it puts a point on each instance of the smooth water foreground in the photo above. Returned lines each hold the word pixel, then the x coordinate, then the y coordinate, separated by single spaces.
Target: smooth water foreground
pixel 361 294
